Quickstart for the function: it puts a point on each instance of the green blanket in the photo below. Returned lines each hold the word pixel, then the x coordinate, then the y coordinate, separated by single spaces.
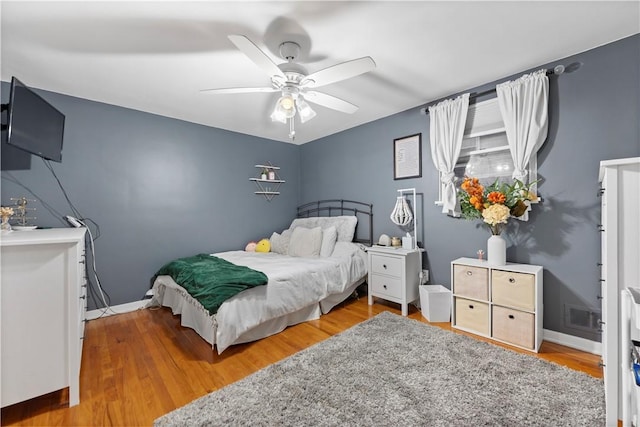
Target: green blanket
pixel 211 280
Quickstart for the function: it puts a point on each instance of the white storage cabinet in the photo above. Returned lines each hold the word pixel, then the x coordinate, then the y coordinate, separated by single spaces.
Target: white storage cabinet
pixel 503 303
pixel 43 306
pixel 620 266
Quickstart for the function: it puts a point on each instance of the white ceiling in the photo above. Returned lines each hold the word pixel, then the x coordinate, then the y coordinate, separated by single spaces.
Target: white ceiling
pixel 156 56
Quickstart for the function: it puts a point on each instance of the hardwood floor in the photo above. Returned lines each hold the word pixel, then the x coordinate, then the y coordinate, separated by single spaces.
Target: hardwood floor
pixel 141 365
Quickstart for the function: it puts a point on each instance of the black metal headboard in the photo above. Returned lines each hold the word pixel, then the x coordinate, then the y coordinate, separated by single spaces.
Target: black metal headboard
pixel 342 207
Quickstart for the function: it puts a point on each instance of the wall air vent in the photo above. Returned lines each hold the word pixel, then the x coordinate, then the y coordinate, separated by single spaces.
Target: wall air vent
pixel 583 318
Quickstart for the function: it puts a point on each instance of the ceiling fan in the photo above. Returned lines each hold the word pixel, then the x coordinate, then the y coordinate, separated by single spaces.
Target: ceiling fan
pixel 295 84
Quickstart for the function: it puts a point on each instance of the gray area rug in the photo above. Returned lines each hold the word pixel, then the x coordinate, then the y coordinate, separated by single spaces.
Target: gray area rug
pixel 390 370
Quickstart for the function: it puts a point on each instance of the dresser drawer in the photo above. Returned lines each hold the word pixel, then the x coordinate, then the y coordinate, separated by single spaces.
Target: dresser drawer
pixel 472 315
pixel 386 286
pixel 386 265
pixel 472 282
pixel 513 326
pixel 511 289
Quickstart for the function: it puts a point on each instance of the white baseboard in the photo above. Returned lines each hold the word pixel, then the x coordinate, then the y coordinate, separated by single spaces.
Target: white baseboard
pixel 578 343
pixel 116 309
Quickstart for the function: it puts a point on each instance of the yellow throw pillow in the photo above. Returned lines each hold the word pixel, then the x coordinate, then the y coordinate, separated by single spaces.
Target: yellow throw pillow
pixel 263 246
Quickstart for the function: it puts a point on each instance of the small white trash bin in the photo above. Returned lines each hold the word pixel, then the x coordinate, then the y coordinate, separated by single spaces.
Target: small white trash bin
pixel 435 303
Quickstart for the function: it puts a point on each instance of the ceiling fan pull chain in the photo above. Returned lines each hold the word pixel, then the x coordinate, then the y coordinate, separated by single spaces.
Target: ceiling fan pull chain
pixel 292 132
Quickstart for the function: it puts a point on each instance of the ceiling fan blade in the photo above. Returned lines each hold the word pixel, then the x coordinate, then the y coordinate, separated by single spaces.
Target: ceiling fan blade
pixel 330 101
pixel 342 71
pixel 256 55
pixel 239 90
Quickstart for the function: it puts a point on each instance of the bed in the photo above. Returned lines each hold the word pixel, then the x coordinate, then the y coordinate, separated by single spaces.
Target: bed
pixel 300 287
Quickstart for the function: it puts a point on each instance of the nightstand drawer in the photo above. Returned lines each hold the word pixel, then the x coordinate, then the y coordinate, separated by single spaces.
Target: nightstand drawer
pixel 386 265
pixel 472 282
pixel 472 315
pixel 513 289
pixel 513 326
pixel 386 286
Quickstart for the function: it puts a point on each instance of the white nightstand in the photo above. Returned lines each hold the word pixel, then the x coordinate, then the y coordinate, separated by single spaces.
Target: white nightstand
pixel 394 275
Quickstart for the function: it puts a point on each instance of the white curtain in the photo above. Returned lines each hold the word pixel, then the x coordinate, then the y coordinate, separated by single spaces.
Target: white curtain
pixel 446 131
pixel 524 108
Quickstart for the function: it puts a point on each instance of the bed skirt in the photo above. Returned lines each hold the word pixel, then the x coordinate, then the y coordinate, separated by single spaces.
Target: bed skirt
pixel 193 315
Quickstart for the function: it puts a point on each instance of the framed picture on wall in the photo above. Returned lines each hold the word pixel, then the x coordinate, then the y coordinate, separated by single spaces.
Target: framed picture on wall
pixel 407 157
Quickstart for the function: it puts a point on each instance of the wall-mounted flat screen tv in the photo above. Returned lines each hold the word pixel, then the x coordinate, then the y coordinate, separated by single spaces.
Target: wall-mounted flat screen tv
pixel 35 125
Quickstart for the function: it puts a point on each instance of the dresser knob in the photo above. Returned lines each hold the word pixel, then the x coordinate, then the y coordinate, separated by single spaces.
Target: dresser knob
pixel 512 280
pixel 469 273
pixel 384 286
pixel 471 306
pixel 511 316
pixel 384 266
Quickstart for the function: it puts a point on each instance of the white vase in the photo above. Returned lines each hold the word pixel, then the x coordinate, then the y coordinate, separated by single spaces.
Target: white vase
pixel 496 250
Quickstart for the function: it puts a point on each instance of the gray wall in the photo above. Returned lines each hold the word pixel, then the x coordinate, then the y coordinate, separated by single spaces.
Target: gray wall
pixel 159 188
pixel 594 114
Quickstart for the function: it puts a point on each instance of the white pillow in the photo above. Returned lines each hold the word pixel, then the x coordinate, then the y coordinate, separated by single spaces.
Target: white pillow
pixel 280 242
pixel 305 242
pixel 329 238
pixel 345 225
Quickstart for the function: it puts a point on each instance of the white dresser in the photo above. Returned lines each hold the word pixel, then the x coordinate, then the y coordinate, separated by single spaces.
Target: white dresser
pixel 620 264
pixel 43 306
pixel 394 275
pixel 500 302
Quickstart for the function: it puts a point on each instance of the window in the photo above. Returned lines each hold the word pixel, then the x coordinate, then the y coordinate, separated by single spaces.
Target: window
pixel 485 151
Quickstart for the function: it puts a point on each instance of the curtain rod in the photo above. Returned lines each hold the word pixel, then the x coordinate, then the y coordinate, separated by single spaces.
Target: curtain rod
pixel 558 69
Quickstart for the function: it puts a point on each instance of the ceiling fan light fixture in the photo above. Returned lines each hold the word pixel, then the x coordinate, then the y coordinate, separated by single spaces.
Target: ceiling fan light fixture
pixel 287 103
pixel 305 111
pixel 285 108
pixel 278 117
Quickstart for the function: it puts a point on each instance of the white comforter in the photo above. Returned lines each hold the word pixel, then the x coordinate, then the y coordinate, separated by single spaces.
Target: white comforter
pixel 294 283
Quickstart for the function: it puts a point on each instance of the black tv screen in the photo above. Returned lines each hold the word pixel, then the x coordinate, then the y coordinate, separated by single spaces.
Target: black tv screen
pixel 34 124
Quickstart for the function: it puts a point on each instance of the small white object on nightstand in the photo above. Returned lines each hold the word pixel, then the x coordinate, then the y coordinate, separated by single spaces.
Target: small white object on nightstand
pixel 394 275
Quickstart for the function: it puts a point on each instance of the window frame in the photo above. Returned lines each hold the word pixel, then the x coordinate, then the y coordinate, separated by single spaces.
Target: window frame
pixel 483 119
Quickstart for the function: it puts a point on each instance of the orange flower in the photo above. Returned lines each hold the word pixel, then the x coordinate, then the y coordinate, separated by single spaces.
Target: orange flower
pixel 466 184
pixel 496 197
pixel 472 187
pixel 476 201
